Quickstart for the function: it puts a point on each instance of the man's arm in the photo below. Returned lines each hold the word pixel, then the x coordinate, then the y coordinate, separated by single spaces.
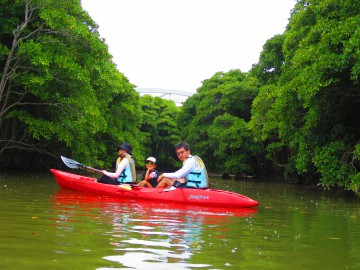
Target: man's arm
pixel 184 171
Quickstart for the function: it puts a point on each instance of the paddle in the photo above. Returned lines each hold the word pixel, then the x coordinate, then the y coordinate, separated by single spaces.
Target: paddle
pixel 76 165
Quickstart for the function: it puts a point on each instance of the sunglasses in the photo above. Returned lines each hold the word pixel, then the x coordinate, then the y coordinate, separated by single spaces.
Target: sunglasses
pixel 180 153
pixel 149 163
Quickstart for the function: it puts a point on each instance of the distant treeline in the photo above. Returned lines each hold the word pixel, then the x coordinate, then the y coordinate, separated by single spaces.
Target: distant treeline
pixel 295 114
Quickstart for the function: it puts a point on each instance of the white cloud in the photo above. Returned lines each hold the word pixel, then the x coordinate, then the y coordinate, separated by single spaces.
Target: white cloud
pixel 176 44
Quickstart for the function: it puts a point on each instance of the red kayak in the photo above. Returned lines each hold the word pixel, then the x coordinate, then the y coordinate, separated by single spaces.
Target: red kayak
pixel 206 197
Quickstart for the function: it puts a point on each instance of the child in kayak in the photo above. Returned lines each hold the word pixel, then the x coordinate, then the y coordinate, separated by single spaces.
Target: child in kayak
pixel 150 176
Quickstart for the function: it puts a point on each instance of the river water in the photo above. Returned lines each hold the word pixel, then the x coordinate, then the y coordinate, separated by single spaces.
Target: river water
pixel 294 227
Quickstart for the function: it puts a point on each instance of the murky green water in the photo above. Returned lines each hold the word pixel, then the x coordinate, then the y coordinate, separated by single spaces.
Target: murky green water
pixel 44 227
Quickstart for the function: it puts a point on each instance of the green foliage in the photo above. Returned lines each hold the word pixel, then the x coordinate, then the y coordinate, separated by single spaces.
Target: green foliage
pixel 313 103
pixel 160 132
pixel 232 142
pixel 264 121
pixel 271 60
pixel 336 163
pixel 61 84
pixel 223 97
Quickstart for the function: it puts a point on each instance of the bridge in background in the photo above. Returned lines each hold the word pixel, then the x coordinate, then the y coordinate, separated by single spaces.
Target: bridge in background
pixel 175 95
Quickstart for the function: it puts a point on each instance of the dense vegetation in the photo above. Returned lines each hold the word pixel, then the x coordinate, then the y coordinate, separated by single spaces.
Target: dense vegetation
pixel 294 114
pixel 216 122
pixel 306 110
pixel 60 92
pixel 308 107
pixel 159 129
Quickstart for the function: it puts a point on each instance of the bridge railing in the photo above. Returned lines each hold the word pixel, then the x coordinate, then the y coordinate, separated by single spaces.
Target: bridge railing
pixel 177 96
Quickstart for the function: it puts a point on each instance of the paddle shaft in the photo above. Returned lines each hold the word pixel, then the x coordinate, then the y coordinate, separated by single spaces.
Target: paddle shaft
pixel 91 169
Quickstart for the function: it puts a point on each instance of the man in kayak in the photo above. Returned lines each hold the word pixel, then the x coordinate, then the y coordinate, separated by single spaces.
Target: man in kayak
pixel 125 168
pixel 192 174
pixel 150 176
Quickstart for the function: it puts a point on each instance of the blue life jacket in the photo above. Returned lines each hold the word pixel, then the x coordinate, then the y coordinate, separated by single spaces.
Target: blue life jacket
pixel 198 177
pixel 128 175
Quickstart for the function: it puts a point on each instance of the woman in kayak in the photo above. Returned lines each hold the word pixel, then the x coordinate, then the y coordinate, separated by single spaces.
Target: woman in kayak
pixel 192 174
pixel 125 168
pixel 151 175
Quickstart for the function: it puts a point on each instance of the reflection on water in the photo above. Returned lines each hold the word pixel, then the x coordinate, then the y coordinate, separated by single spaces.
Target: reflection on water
pixel 44 227
pixel 147 235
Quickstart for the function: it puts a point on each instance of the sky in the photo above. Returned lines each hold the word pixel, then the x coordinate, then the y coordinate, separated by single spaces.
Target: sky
pixel 176 44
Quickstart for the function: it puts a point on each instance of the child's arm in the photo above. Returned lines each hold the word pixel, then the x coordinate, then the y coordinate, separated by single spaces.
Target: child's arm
pixel 150 174
pixel 147 175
